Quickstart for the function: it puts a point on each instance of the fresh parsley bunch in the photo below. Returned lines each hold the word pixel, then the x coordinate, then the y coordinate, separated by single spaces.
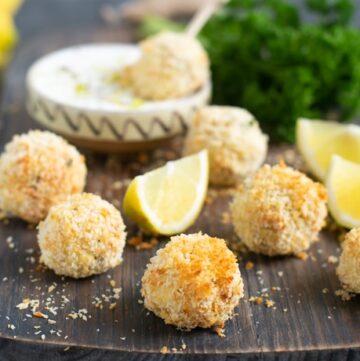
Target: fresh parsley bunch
pixel 265 57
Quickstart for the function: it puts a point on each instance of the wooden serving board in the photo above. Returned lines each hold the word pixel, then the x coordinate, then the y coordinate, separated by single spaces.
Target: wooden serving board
pixel 307 319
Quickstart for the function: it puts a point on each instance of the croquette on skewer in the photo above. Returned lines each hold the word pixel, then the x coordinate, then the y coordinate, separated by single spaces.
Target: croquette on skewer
pixel 172 65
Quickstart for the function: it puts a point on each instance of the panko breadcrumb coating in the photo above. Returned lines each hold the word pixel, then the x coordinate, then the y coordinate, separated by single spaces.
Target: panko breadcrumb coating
pixel 194 281
pixel 37 170
pixel 279 211
pixel 234 140
pixel 348 270
pixel 172 65
pixel 82 236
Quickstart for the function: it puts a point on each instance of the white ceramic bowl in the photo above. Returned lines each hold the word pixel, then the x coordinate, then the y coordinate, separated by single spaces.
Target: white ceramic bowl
pixel 75 92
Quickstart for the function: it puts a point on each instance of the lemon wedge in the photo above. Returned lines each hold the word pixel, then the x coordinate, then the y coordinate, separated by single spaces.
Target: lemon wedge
pixel 343 185
pixel 169 199
pixel 319 140
pixel 9 6
pixel 7 32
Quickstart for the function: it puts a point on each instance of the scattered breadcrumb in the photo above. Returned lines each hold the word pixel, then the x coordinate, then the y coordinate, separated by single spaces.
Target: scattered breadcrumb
pixel 225 218
pixel 135 241
pixel 249 265
pixel 117 185
pixel 164 350
pixel 258 300
pixel 333 259
pixel 344 294
pixel 24 304
pixel 220 330
pixel 73 315
pixel 139 244
pixel 10 242
pixel 209 199
pixel 82 314
pixel 39 314
pixel 28 303
pixel 109 297
pixel 269 303
pixel 51 288
pixel 302 255
pixel 112 306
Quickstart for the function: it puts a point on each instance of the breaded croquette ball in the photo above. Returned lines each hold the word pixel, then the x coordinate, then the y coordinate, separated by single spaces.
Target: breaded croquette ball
pixel 194 281
pixel 348 270
pixel 279 211
pixel 82 236
pixel 234 140
pixel 37 170
pixel 172 65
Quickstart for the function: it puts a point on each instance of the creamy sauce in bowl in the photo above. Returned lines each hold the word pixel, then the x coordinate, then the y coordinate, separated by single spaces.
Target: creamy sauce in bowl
pixel 86 77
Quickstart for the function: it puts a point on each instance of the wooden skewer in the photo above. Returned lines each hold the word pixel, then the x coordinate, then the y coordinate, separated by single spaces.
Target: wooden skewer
pixel 202 16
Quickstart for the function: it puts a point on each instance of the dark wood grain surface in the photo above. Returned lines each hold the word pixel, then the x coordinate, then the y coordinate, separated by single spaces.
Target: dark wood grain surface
pixel 308 321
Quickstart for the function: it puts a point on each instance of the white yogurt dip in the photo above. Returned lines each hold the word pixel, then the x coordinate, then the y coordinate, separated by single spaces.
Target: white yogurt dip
pixel 87 77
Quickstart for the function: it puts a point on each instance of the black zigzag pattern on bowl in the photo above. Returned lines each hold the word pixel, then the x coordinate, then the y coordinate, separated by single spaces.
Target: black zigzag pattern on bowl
pixel 75 123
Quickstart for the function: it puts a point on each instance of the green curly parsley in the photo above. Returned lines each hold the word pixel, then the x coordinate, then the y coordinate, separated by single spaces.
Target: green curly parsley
pixel 267 59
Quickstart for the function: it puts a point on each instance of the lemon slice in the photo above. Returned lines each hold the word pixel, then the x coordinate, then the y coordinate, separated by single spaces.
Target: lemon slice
pixel 319 140
pixel 169 199
pixel 343 185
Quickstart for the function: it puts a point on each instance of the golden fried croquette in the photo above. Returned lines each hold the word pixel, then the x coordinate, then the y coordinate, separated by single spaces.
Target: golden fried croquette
pixel 279 211
pixel 348 270
pixel 82 236
pixel 37 170
pixel 194 281
pixel 234 140
pixel 172 65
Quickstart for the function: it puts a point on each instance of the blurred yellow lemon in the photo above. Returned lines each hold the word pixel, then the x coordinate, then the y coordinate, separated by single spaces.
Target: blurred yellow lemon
pixel 8 34
pixel 319 140
pixel 343 185
pixel 9 6
pixel 169 199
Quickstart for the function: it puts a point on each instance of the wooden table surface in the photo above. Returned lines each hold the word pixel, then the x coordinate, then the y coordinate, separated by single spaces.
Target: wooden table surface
pixel 308 321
